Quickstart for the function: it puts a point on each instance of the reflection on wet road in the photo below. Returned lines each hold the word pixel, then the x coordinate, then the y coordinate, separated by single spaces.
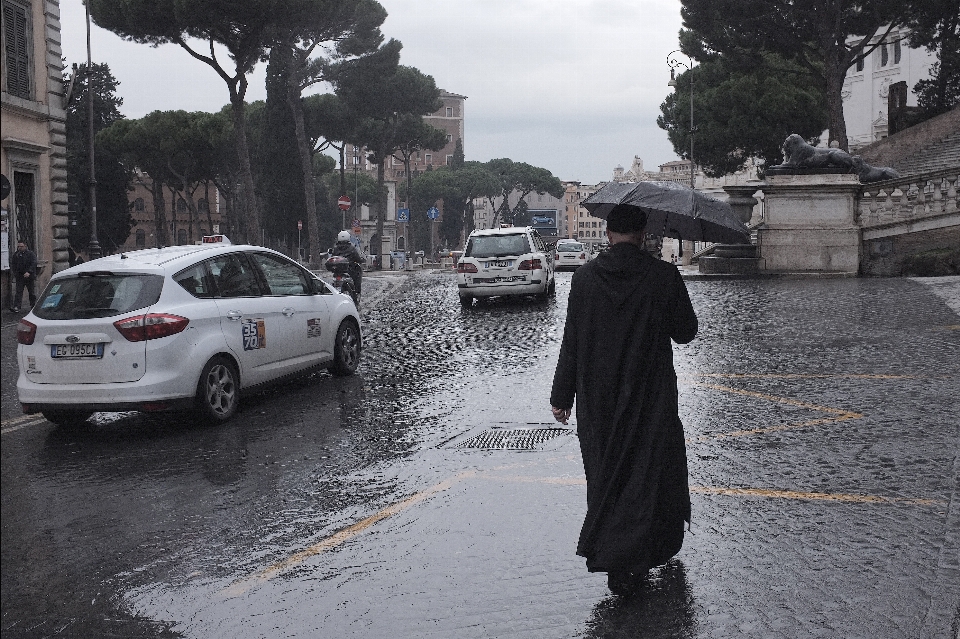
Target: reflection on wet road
pixel 822 458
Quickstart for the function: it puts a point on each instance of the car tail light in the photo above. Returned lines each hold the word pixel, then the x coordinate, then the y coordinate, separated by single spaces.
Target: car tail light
pixel 530 265
pixel 150 326
pixel 26 332
pixel 557 257
pixel 467 267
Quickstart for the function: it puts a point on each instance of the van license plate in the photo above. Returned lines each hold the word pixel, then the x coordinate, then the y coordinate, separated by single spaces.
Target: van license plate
pixel 76 351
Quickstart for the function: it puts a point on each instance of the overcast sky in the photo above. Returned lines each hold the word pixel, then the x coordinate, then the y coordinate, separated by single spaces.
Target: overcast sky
pixel 573 86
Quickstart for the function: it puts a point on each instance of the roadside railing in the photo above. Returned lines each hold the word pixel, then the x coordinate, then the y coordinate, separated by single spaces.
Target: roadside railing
pixel 909 198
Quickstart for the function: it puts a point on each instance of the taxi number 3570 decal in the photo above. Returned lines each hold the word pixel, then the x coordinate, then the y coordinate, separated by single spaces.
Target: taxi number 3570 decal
pixel 254 334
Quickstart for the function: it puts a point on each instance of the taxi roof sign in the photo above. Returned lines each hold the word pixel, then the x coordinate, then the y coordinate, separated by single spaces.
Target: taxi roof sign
pixel 216 239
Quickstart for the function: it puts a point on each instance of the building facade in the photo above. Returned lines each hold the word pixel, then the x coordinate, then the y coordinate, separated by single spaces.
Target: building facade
pixel 182 227
pixel 868 84
pixel 33 140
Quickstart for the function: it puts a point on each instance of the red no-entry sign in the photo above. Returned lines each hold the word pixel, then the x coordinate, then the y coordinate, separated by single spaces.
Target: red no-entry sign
pixel 343 202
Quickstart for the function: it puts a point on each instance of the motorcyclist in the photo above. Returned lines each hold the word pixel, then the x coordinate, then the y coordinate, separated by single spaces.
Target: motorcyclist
pixel 345 248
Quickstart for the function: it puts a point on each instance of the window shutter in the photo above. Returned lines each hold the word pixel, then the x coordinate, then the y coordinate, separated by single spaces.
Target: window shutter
pixel 15 26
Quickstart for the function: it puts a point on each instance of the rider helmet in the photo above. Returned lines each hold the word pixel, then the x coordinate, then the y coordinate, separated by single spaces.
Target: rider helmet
pixel 343 236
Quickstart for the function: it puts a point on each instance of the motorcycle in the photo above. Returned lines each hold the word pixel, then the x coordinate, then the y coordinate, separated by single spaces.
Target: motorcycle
pixel 342 280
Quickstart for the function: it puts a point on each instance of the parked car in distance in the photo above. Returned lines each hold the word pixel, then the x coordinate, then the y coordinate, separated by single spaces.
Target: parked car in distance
pixel 181 327
pixel 504 261
pixel 570 254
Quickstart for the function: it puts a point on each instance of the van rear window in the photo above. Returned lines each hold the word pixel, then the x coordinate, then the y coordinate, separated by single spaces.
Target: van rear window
pixel 97 295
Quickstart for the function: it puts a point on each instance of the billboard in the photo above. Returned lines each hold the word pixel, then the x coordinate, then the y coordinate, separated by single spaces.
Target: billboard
pixel 545 222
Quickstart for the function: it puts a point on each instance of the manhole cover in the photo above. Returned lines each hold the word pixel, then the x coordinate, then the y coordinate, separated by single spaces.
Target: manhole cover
pixel 513 439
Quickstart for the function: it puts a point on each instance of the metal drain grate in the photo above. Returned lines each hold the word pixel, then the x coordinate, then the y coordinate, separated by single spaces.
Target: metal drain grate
pixel 519 439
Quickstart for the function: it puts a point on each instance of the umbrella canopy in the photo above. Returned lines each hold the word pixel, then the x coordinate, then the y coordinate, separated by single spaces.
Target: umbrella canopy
pixel 673 210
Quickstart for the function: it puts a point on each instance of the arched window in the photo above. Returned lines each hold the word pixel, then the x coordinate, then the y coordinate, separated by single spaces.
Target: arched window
pixel 138 204
pixel 181 206
pixel 401 243
pixel 141 237
pixel 182 236
pixel 202 205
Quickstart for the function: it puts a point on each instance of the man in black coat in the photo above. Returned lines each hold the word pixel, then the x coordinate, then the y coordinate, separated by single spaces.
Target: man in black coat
pixel 624 308
pixel 23 265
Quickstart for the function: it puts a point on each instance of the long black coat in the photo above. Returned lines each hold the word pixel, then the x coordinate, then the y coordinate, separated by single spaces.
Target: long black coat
pixel 616 358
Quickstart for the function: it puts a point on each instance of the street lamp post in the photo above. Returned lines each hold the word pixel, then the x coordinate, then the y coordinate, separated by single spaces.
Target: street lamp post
pixel 94 247
pixel 673 63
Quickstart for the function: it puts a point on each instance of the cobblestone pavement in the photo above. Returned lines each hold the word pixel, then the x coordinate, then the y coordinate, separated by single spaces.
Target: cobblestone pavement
pixel 822 430
pixel 822 436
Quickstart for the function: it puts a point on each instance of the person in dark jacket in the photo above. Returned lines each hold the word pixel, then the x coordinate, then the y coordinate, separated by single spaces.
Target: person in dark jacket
pixel 23 265
pixel 616 358
pixel 345 248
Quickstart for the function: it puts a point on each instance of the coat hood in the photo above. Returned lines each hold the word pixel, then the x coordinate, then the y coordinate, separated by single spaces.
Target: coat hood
pixel 621 271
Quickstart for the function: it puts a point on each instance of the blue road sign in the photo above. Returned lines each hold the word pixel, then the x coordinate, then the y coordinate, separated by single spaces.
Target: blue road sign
pixel 403 215
pixel 433 213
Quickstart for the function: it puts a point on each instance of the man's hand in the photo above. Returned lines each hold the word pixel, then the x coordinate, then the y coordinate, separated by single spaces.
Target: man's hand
pixel 560 414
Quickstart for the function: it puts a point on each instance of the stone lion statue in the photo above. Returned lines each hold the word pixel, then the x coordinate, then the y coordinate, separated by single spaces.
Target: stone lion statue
pixel 797 153
pixel 869 173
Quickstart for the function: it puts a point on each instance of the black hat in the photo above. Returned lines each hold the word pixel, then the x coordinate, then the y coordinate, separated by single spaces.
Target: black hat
pixel 626 219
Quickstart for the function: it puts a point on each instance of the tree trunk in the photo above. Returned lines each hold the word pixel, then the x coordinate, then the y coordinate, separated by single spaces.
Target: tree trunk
pixel 250 217
pixel 381 207
pixel 411 243
pixel 306 165
pixel 837 124
pixel 159 213
pixel 206 197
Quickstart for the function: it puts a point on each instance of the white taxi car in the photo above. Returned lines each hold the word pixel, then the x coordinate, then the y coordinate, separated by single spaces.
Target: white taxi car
pixel 178 327
pixel 570 254
pixel 504 261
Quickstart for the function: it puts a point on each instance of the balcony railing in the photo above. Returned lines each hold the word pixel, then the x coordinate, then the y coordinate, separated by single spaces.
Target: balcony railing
pixel 907 199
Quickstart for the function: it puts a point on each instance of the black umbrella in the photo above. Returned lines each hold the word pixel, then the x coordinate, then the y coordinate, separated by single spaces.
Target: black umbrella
pixel 673 210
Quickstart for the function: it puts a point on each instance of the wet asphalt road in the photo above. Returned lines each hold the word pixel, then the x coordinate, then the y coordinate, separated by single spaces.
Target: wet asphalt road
pixel 823 429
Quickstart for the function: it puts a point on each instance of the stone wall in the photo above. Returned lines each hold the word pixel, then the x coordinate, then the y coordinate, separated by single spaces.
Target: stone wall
pixel 901 145
pixel 883 257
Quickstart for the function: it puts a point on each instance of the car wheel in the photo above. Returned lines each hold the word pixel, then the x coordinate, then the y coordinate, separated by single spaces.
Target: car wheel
pixel 346 349
pixel 552 290
pixel 67 418
pixel 218 391
pixel 466 301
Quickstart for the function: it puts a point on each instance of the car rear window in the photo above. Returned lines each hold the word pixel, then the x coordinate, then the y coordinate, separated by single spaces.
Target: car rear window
pixel 569 248
pixel 497 245
pixel 97 295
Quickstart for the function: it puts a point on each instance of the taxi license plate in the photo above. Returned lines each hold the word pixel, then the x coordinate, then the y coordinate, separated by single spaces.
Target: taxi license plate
pixel 76 351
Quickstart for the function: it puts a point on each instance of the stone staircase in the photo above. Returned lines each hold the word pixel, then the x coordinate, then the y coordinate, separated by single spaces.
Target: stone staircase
pixel 940 155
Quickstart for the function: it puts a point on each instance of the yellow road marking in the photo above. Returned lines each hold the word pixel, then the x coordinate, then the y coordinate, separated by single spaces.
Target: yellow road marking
pixel 243 586
pixel 792 494
pixel 783 400
pixel 801 376
pixel 339 537
pixel 841 414
pixel 17 423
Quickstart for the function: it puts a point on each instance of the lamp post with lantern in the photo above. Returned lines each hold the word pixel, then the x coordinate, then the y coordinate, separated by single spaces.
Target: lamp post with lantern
pixel 673 63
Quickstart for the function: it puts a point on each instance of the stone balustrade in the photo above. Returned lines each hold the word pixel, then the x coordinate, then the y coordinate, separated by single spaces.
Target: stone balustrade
pixel 907 199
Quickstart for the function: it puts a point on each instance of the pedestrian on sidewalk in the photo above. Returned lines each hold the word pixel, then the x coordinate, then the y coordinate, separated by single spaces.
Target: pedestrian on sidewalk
pixel 23 265
pixel 617 361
